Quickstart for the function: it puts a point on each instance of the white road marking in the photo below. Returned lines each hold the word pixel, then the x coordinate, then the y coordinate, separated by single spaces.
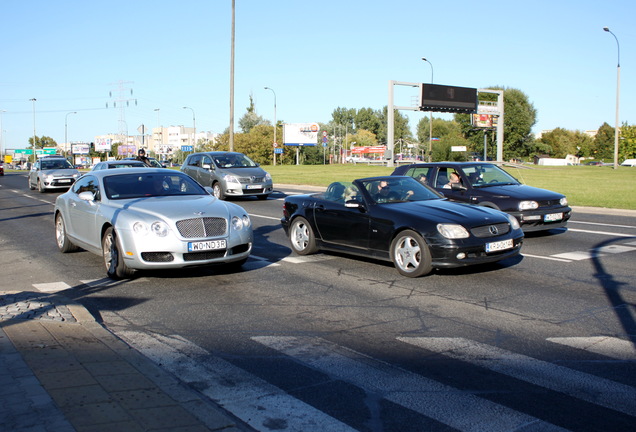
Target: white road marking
pixel 545 257
pixel 420 394
pixel 580 385
pixel 607 346
pixel 247 396
pixel 601 232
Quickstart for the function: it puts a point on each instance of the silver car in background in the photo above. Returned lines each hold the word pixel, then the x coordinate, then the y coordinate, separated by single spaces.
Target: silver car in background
pixel 150 218
pixel 229 174
pixel 52 173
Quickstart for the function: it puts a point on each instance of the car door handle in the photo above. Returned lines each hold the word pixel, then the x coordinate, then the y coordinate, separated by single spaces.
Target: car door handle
pixel 319 207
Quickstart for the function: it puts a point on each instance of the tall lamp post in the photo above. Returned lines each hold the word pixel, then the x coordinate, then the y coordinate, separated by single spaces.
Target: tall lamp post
pixel 66 127
pixel 267 88
pixel 618 97
pixel 194 135
pixel 430 122
pixel 34 155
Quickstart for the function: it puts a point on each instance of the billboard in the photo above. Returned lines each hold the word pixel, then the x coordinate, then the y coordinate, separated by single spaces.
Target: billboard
pixel 300 134
pixel 451 99
pixel 80 148
pixel 484 120
pixel 103 144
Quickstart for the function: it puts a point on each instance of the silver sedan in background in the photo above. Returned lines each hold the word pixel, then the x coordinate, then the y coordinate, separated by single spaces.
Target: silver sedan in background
pixel 150 218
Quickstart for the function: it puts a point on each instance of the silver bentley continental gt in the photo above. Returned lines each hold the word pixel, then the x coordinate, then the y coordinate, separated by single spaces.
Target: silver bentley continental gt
pixel 150 218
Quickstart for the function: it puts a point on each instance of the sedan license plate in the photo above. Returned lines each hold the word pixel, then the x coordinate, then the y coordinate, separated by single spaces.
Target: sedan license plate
pixel 206 245
pixel 498 246
pixel 254 186
pixel 552 217
pixel 64 181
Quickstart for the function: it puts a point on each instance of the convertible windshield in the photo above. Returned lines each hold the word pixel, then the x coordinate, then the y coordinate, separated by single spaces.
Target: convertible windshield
pixel 398 189
pixel 234 160
pixel 126 186
pixel 488 175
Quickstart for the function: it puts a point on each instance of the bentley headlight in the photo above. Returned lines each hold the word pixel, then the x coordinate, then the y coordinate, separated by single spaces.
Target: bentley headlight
pixel 563 201
pixel 514 223
pixel 528 205
pixel 140 228
pixel 452 231
pixel 246 220
pixel 237 223
pixel 159 228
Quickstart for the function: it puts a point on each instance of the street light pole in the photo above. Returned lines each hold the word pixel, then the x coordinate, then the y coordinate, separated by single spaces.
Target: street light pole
pixel 194 123
pixel 430 122
pixel 66 127
pixel 34 154
pixel 267 88
pixel 618 96
pixel 1 136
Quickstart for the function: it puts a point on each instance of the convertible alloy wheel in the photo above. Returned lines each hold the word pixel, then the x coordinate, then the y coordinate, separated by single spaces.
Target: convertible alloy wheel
pixel 410 254
pixel 116 268
pixel 63 243
pixel 302 237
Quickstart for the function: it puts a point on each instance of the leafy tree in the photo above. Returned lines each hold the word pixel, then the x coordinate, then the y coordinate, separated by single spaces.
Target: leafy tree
pixel 41 142
pixel 368 119
pixel 344 117
pixel 627 144
pixel 363 138
pixel 250 119
pixel 560 142
pixel 519 118
pixel 603 147
pixel 401 129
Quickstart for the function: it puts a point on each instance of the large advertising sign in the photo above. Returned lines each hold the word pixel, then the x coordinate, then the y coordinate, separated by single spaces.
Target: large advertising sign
pixel 300 134
pixel 451 99
pixel 103 144
pixel 126 150
pixel 80 148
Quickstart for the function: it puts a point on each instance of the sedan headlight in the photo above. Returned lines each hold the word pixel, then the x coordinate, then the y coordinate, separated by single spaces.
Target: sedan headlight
pixel 452 231
pixel 158 228
pixel 268 177
pixel 528 205
pixel 514 223
pixel 563 201
pixel 238 223
pixel 231 179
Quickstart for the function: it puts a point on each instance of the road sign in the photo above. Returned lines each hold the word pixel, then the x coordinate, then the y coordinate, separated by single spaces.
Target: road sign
pixel 187 148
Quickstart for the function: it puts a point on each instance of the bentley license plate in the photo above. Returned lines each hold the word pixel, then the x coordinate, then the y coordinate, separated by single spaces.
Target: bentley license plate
pixel 206 245
pixel 553 217
pixel 498 246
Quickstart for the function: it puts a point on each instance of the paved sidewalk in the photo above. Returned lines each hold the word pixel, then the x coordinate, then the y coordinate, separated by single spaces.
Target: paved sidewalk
pixel 60 371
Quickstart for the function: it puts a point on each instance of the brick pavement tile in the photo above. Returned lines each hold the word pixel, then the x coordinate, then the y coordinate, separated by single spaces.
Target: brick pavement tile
pixel 60 380
pixel 168 417
pixel 129 426
pixel 122 382
pixel 28 334
pixel 79 395
pixel 109 368
pixel 144 398
pixel 102 413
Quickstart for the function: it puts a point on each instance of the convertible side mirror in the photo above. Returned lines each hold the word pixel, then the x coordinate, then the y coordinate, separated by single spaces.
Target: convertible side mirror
pixel 457 187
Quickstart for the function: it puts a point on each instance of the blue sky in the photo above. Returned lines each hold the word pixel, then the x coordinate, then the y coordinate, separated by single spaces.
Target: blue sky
pixel 76 56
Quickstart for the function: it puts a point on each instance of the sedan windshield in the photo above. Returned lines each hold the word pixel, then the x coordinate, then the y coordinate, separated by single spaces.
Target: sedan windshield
pixel 126 186
pixel 234 160
pixel 488 175
pixel 398 189
pixel 56 164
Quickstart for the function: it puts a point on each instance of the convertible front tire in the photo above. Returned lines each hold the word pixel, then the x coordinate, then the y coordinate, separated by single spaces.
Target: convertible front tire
pixel 116 268
pixel 301 237
pixel 410 254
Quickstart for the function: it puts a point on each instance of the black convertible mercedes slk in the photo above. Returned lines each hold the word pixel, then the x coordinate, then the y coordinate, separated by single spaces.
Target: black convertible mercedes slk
pixel 397 219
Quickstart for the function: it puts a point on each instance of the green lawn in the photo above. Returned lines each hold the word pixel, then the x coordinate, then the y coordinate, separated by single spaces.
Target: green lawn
pixel 594 186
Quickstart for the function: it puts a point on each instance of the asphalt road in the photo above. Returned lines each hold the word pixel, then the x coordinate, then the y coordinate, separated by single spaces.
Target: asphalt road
pixel 546 341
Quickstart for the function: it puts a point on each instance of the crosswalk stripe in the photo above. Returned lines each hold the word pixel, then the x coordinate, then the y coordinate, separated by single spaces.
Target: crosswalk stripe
pixel 608 346
pixel 420 394
pixel 246 396
pixel 580 385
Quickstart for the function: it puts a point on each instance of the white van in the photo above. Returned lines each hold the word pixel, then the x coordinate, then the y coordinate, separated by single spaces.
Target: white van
pixel 629 162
